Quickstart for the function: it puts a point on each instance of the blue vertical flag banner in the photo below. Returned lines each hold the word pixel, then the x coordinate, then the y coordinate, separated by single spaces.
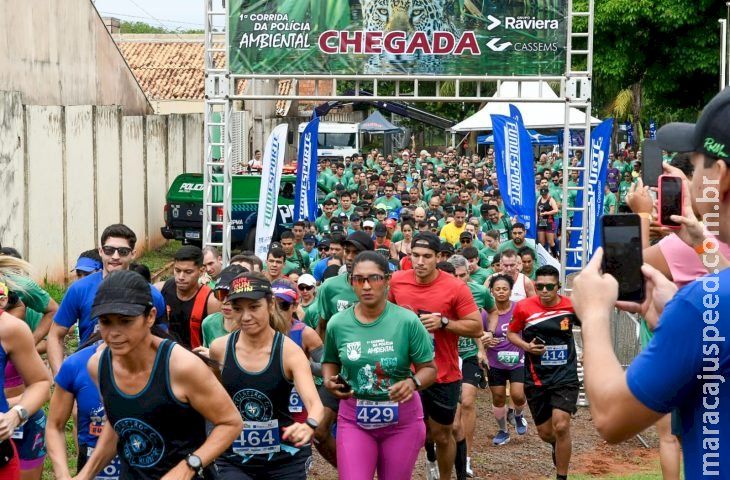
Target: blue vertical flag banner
pixel 629 133
pixel 597 167
pixel 515 113
pixel 305 205
pixel 273 163
pixel 515 167
pixel 652 129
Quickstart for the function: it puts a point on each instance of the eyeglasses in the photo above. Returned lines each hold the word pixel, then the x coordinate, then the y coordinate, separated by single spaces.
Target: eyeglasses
pixel 284 305
pixel 546 286
pixel 220 294
pixel 109 250
pixel 305 288
pixel 374 280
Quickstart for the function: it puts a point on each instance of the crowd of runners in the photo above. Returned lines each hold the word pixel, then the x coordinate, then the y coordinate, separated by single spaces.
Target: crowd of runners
pixel 367 334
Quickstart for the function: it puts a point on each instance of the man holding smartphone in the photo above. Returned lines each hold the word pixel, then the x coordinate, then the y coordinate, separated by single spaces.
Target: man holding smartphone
pixel 687 362
pixel 551 369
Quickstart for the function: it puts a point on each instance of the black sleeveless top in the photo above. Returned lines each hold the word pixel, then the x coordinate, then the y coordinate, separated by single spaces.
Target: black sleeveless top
pixel 156 431
pixel 179 312
pixel 544 206
pixel 260 397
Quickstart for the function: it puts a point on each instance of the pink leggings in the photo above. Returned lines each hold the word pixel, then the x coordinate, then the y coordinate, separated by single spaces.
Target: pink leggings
pixel 392 450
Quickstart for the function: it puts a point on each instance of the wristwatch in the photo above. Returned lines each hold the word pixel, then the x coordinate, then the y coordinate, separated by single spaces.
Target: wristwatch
pixel 22 413
pixel 416 381
pixel 312 423
pixel 444 322
pixel 195 464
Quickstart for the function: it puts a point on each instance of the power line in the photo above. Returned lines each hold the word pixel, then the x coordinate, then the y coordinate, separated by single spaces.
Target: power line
pixel 148 18
pixel 151 16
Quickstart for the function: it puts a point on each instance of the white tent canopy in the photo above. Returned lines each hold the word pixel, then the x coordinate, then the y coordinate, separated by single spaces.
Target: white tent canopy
pixel 542 115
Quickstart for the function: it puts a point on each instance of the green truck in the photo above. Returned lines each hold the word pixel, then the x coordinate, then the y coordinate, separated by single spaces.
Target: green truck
pixel 184 209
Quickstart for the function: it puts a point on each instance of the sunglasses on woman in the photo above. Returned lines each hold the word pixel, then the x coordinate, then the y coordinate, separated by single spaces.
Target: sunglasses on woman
pixel 374 280
pixel 284 305
pixel 220 294
pixel 304 288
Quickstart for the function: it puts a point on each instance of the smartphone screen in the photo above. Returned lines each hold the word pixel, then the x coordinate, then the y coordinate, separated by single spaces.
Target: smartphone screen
pixel 622 258
pixel 651 166
pixel 670 193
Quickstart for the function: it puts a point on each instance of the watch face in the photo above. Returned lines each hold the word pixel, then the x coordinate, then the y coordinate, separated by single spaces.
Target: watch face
pixel 194 461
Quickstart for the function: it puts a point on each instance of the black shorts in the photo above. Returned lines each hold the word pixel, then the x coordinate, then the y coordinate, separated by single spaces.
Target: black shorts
pixel 440 401
pixel 498 377
pixel 328 400
pixel 294 467
pixel 543 399
pixel 471 371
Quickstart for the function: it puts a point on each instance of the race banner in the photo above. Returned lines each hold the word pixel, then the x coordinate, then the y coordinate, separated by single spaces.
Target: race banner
pixel 273 162
pixel 305 205
pixel 597 168
pixel 629 133
pixel 652 129
pixel 376 37
pixel 515 167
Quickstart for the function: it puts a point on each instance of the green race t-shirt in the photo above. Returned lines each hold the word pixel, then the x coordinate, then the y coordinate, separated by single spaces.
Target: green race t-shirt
pixel 311 314
pixel 374 356
pixel 479 275
pixel 608 201
pixel 335 295
pixel 482 297
pixel 30 293
pixel 213 328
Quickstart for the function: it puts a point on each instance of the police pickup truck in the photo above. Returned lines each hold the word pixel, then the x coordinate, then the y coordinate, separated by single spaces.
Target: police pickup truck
pixel 184 209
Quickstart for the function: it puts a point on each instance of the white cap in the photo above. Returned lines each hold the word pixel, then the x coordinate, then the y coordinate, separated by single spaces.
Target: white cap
pixel 307 279
pixel 368 223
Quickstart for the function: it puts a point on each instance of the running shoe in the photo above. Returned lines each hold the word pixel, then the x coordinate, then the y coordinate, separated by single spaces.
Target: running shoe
pixel 511 417
pixel 520 424
pixel 501 438
pixel 469 471
pixel 432 471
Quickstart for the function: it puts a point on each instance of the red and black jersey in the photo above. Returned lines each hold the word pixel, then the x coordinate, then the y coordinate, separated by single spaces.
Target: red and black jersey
pixel 554 326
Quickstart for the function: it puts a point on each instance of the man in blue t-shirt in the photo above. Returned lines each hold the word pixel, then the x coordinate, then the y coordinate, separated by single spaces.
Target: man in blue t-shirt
pixel 687 362
pixel 117 252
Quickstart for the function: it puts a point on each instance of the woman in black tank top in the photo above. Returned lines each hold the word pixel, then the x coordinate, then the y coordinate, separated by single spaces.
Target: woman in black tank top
pixel 547 207
pixel 156 394
pixel 260 366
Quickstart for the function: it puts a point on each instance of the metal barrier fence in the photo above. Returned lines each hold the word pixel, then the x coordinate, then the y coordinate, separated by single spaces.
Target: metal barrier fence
pixel 626 344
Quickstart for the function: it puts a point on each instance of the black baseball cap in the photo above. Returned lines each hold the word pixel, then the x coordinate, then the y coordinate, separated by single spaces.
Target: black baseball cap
pixel 426 240
pixel 380 230
pixel 123 293
pixel 360 240
pixel 710 135
pixel 433 224
pixel 253 288
pixel 227 276
pixel 446 247
pixel 466 236
pixel 324 243
pixel 309 238
pixel 336 228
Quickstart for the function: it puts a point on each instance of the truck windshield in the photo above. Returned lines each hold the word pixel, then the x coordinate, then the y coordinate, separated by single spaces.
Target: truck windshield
pixel 336 140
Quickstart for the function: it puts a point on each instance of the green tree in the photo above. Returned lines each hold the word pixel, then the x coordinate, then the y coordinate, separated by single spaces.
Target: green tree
pixel 142 27
pixel 655 58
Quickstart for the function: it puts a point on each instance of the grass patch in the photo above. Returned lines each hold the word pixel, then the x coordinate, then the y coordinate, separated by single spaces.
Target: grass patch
pixel 156 259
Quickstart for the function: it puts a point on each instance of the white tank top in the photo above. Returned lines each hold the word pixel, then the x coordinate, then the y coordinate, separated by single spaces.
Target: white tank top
pixel 518 291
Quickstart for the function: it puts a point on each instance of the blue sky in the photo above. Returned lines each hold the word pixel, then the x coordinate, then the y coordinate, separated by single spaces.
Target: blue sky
pixel 172 14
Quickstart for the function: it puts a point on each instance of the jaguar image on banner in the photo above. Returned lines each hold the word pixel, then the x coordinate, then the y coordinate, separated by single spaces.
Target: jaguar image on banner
pixel 376 37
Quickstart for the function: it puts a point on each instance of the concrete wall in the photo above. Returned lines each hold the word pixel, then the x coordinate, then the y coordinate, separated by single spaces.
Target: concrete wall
pixel 60 53
pixel 66 172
